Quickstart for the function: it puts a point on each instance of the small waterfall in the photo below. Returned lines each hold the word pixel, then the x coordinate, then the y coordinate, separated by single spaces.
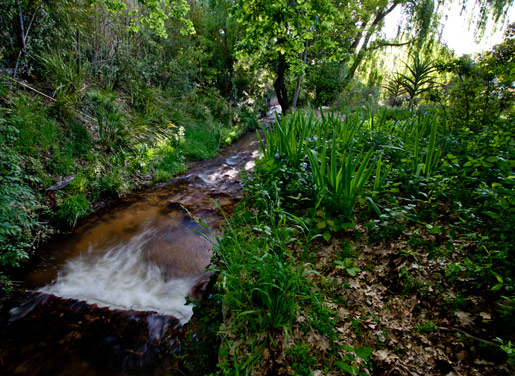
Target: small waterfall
pixel 125 276
pixel 110 297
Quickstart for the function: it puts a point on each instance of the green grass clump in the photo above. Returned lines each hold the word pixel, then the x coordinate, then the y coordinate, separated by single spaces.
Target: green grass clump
pixel 263 288
pixel 200 142
pixel 72 209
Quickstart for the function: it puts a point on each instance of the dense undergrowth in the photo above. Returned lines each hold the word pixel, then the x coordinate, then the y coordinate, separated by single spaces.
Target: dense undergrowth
pixel 90 109
pixel 369 242
pixel 413 212
pixel 106 149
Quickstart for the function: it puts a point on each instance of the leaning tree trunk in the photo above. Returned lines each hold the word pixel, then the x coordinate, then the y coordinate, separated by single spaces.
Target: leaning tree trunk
pixel 303 56
pixel 21 29
pixel 280 86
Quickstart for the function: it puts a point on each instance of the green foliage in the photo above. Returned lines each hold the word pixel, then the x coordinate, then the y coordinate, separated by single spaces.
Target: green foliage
pixel 424 163
pixel 291 36
pixel 112 124
pixel 110 184
pixel 324 83
pixel 262 288
pixel 509 349
pixel 202 143
pixel 155 13
pixel 426 327
pixel 132 106
pixel 72 208
pixel 340 179
pixel 349 364
pixel 358 96
pixel 348 265
pixel 499 61
pixel 507 307
pixel 418 78
pixel 479 92
pixel 66 75
pixel 81 142
pixel 283 28
pixel 288 138
pixel 395 89
pixel 36 131
pixel 19 204
pixel 338 169
pixel 302 361
pixel 414 172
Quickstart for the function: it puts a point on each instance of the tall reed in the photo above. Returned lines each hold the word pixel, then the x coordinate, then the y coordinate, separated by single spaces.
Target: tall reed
pixel 340 178
pixel 332 147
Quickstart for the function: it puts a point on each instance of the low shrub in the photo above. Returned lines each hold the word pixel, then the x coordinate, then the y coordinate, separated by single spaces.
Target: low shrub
pixel 71 209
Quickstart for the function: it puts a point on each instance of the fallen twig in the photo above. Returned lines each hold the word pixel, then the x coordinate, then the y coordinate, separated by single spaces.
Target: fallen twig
pixel 44 95
pixel 61 184
pixel 29 87
pixel 485 341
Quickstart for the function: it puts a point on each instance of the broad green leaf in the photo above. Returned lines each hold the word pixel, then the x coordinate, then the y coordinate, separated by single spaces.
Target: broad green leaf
pixel 321 225
pixel 353 370
pixel 435 230
pixel 364 352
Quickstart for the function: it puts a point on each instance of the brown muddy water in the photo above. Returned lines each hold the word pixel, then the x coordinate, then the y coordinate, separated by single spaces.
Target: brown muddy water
pixel 110 298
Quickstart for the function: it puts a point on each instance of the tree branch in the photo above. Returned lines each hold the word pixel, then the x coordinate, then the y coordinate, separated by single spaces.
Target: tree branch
pixel 391 44
pixel 43 95
pixel 22 50
pixel 485 341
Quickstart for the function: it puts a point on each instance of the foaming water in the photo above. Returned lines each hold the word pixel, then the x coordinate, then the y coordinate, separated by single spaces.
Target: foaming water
pixel 111 295
pixel 124 276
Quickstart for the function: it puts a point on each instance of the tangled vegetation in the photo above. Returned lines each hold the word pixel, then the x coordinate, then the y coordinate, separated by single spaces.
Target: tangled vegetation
pixel 411 208
pixel 376 232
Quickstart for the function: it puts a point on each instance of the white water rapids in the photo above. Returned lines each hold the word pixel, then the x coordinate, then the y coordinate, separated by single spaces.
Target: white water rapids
pixel 124 276
pixel 144 255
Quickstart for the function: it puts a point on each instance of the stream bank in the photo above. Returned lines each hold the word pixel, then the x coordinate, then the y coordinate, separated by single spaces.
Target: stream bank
pixel 56 331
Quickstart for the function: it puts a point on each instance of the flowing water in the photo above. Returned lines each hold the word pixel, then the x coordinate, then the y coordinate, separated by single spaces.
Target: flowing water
pixel 105 295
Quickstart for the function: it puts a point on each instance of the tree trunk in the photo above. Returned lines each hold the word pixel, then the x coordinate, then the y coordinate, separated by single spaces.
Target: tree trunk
pixel 301 75
pixel 357 41
pixel 280 86
pixel 297 91
pixel 21 28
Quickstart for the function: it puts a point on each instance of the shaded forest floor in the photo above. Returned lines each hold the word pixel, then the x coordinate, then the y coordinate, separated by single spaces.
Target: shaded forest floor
pixel 401 305
pixel 413 277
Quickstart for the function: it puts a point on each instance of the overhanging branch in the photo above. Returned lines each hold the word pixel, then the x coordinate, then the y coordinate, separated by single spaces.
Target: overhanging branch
pixel 390 44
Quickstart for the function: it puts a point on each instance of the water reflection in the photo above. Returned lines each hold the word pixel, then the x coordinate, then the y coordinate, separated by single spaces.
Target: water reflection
pixel 118 284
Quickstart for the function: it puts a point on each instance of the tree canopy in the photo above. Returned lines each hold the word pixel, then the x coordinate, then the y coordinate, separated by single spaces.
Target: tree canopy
pixel 293 34
pixel 155 13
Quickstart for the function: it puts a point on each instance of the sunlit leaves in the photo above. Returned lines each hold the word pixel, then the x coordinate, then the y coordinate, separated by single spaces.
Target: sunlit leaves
pixel 285 26
pixel 154 14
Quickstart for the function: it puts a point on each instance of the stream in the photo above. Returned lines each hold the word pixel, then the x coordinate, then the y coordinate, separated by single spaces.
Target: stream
pixel 108 296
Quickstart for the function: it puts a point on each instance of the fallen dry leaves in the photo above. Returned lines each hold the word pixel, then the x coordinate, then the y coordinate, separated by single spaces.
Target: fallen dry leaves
pixel 400 305
pixel 392 312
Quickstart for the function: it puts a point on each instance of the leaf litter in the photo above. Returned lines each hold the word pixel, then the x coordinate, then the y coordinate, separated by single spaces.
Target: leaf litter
pixel 400 306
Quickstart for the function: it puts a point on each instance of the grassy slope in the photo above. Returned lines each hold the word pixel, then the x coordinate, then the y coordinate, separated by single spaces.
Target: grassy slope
pixel 403 285
pixel 108 144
